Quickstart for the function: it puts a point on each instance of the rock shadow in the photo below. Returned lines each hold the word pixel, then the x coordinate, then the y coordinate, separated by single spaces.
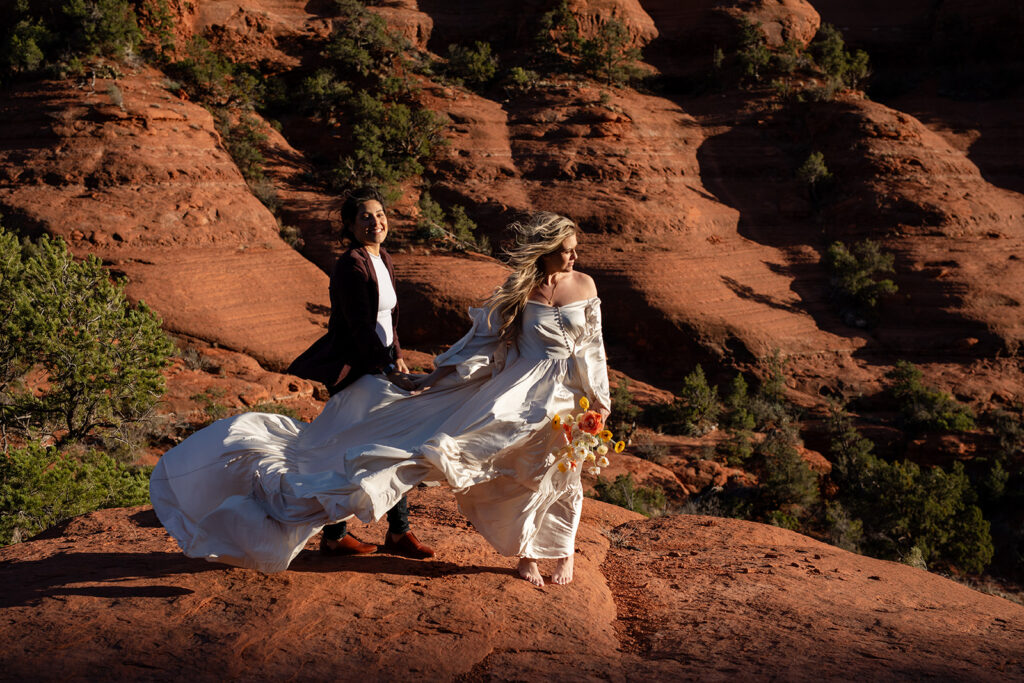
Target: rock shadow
pixel 313 561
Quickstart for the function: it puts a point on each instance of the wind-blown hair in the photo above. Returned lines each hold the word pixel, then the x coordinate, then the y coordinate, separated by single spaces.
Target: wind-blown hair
pixel 542 234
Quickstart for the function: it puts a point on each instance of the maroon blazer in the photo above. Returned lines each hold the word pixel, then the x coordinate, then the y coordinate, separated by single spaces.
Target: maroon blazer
pixel 351 337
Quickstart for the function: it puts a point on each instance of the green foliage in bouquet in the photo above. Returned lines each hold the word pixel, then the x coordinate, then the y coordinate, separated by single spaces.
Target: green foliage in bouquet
pixel 100 355
pixel 925 408
pixel 40 487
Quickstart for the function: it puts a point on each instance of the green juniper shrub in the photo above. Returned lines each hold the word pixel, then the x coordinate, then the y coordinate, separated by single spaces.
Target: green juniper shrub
pixel 391 140
pixel 519 81
pixel 789 483
pixel 840 66
pixel 925 408
pixel 558 38
pixel 738 414
pixel 243 135
pixel 453 229
pixel 624 492
pixel 362 43
pixel 694 410
pixel 753 55
pixel 858 280
pixel 102 357
pixel 843 531
pixel 213 80
pixel 474 66
pixel 901 505
pixel 40 487
pixel 608 56
pixel 738 448
pixel 815 176
pixel 44 33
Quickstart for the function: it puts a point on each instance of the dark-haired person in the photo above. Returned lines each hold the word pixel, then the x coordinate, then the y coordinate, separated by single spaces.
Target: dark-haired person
pixel 362 339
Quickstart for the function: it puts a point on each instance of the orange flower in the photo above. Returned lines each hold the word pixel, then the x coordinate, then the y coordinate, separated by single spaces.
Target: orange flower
pixel 591 422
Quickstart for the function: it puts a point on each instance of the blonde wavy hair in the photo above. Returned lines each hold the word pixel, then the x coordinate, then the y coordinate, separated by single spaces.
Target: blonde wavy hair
pixel 539 236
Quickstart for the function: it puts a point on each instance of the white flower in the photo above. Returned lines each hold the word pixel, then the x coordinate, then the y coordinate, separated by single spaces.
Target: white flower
pixel 594 470
pixel 602 462
pixel 602 450
pixel 589 457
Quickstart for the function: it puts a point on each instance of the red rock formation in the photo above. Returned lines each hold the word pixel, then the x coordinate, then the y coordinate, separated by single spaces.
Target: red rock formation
pixel 108 595
pixel 148 188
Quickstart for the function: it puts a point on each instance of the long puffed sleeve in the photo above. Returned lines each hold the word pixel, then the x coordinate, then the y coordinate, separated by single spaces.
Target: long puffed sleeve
pixel 591 360
pixel 480 352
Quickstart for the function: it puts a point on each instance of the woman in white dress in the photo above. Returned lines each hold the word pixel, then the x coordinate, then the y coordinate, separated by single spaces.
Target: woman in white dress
pixel 252 489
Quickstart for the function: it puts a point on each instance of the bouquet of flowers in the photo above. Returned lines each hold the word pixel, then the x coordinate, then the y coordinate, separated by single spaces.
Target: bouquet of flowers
pixel 586 440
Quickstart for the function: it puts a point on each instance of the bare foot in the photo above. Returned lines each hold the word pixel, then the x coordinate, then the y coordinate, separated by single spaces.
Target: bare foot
pixel 528 570
pixel 563 571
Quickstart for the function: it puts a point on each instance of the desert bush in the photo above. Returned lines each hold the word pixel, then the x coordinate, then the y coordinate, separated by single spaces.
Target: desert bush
pixel 840 65
pixel 815 176
pixel 694 411
pixel 101 356
pixel 558 38
pixel 902 506
pixel 40 487
pixel 391 140
pixel 644 447
pixel 858 278
pixel 362 43
pixel 242 135
pixel 608 56
pixel 42 33
pixel 624 492
pixel 520 80
pixel 453 229
pixel 475 66
pixel 213 80
pixel 753 55
pixel 739 415
pixel 790 484
pixel 273 408
pixel 209 401
pixel 925 408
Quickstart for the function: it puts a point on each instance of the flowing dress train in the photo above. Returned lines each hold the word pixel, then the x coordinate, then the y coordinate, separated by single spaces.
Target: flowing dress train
pixel 252 489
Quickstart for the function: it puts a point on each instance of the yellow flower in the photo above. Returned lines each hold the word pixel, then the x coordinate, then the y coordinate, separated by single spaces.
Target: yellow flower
pixel 556 422
pixel 585 403
pixel 562 466
pixel 606 435
pixel 620 446
pixel 589 457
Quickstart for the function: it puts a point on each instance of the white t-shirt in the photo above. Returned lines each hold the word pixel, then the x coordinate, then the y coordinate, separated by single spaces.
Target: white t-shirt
pixel 386 301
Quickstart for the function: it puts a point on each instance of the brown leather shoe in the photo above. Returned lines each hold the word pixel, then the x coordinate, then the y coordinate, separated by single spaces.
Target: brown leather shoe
pixel 407 545
pixel 346 545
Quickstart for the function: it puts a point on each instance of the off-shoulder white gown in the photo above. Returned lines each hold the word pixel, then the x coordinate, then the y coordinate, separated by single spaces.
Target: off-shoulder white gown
pixel 250 490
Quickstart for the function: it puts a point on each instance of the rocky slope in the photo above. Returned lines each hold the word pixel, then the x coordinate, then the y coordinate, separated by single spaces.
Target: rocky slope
pixel 108 595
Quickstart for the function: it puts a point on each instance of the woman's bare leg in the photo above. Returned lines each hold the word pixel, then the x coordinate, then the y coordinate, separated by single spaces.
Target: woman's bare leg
pixel 563 570
pixel 529 570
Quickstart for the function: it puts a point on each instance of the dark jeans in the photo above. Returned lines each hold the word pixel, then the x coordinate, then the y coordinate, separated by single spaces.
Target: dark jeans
pixel 398 516
pixel 398 522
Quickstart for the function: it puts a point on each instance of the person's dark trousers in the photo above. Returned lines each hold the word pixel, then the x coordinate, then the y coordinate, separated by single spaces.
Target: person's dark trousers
pixel 398 516
pixel 398 522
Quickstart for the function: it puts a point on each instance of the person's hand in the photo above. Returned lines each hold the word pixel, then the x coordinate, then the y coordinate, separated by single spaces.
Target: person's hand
pixel 343 374
pixel 401 366
pixel 403 380
pixel 605 412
